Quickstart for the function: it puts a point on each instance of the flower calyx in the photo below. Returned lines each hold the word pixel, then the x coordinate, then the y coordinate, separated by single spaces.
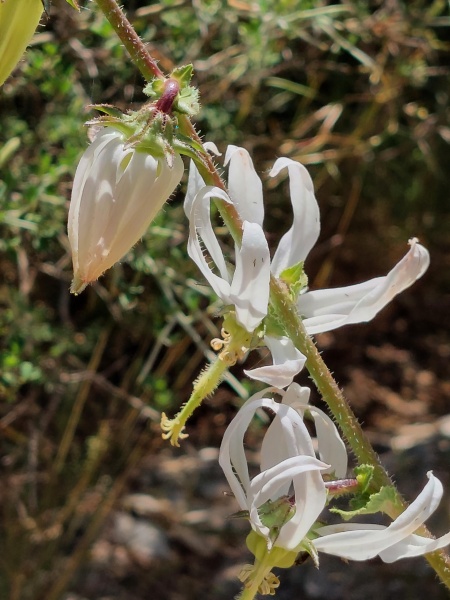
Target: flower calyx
pixel 174 94
pixel 153 129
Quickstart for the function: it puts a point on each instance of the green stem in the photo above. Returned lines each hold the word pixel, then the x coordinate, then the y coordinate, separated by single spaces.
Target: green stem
pixel 205 385
pixel 329 390
pixel 258 576
pixel 130 39
pixel 283 305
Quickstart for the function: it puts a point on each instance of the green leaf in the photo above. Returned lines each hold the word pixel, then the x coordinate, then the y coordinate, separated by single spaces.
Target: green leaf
pixel 295 278
pixel 183 75
pixel 383 501
pixel 364 475
pixel 187 102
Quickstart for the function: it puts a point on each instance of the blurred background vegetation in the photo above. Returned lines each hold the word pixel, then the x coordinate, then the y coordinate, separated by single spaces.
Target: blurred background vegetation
pixel 356 90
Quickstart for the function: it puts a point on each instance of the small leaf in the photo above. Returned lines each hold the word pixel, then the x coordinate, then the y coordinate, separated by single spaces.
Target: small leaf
pixel 183 75
pixel 364 475
pixel 382 501
pixel 295 278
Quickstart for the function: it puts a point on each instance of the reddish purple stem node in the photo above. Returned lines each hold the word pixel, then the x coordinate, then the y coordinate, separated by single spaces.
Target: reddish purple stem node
pixel 171 89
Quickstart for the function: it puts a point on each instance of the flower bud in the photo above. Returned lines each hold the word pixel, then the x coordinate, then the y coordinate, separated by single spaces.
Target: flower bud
pixel 18 21
pixel 117 191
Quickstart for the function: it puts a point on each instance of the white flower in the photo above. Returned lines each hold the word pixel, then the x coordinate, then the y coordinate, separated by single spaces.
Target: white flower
pixel 117 192
pixel 356 541
pixel 289 469
pixel 288 462
pixel 248 288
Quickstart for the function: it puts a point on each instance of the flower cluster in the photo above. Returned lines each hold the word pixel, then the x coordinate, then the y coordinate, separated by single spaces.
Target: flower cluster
pixel 119 186
pixel 247 287
pixel 284 500
pixel 299 476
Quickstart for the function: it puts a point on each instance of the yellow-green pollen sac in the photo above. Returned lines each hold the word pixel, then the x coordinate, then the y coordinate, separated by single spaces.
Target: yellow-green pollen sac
pixel 18 22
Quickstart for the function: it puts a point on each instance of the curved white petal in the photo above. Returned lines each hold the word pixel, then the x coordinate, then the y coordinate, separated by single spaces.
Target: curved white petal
pixel 270 484
pixel 194 185
pixel 286 436
pixel 250 286
pixel 331 448
pixel 200 228
pixel 296 243
pixel 232 457
pixel 212 148
pixel 413 545
pixel 324 310
pixel 287 362
pixel 309 492
pixel 310 499
pixel 244 185
pixel 195 180
pixel 361 542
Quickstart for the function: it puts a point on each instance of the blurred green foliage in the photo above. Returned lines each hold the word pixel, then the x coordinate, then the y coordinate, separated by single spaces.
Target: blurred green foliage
pixel 357 90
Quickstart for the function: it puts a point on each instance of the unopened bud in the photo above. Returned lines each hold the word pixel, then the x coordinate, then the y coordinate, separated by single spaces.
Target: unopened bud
pixel 117 192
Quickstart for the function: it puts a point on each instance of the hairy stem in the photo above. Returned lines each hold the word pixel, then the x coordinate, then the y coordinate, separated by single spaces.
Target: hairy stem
pixel 146 64
pixel 203 387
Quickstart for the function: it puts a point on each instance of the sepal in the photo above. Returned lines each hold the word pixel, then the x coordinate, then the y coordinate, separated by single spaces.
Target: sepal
pixel 276 556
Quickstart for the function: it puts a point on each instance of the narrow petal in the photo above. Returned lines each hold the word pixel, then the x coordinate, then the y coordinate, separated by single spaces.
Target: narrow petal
pixel 331 448
pixel 200 228
pixel 232 457
pixel 286 436
pixel 361 542
pixel 324 310
pixel 296 243
pixel 195 180
pixel 310 499
pixel 287 362
pixel 250 286
pixel 310 496
pixel 244 185
pixel 413 545
pixel 269 484
pixel 194 185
